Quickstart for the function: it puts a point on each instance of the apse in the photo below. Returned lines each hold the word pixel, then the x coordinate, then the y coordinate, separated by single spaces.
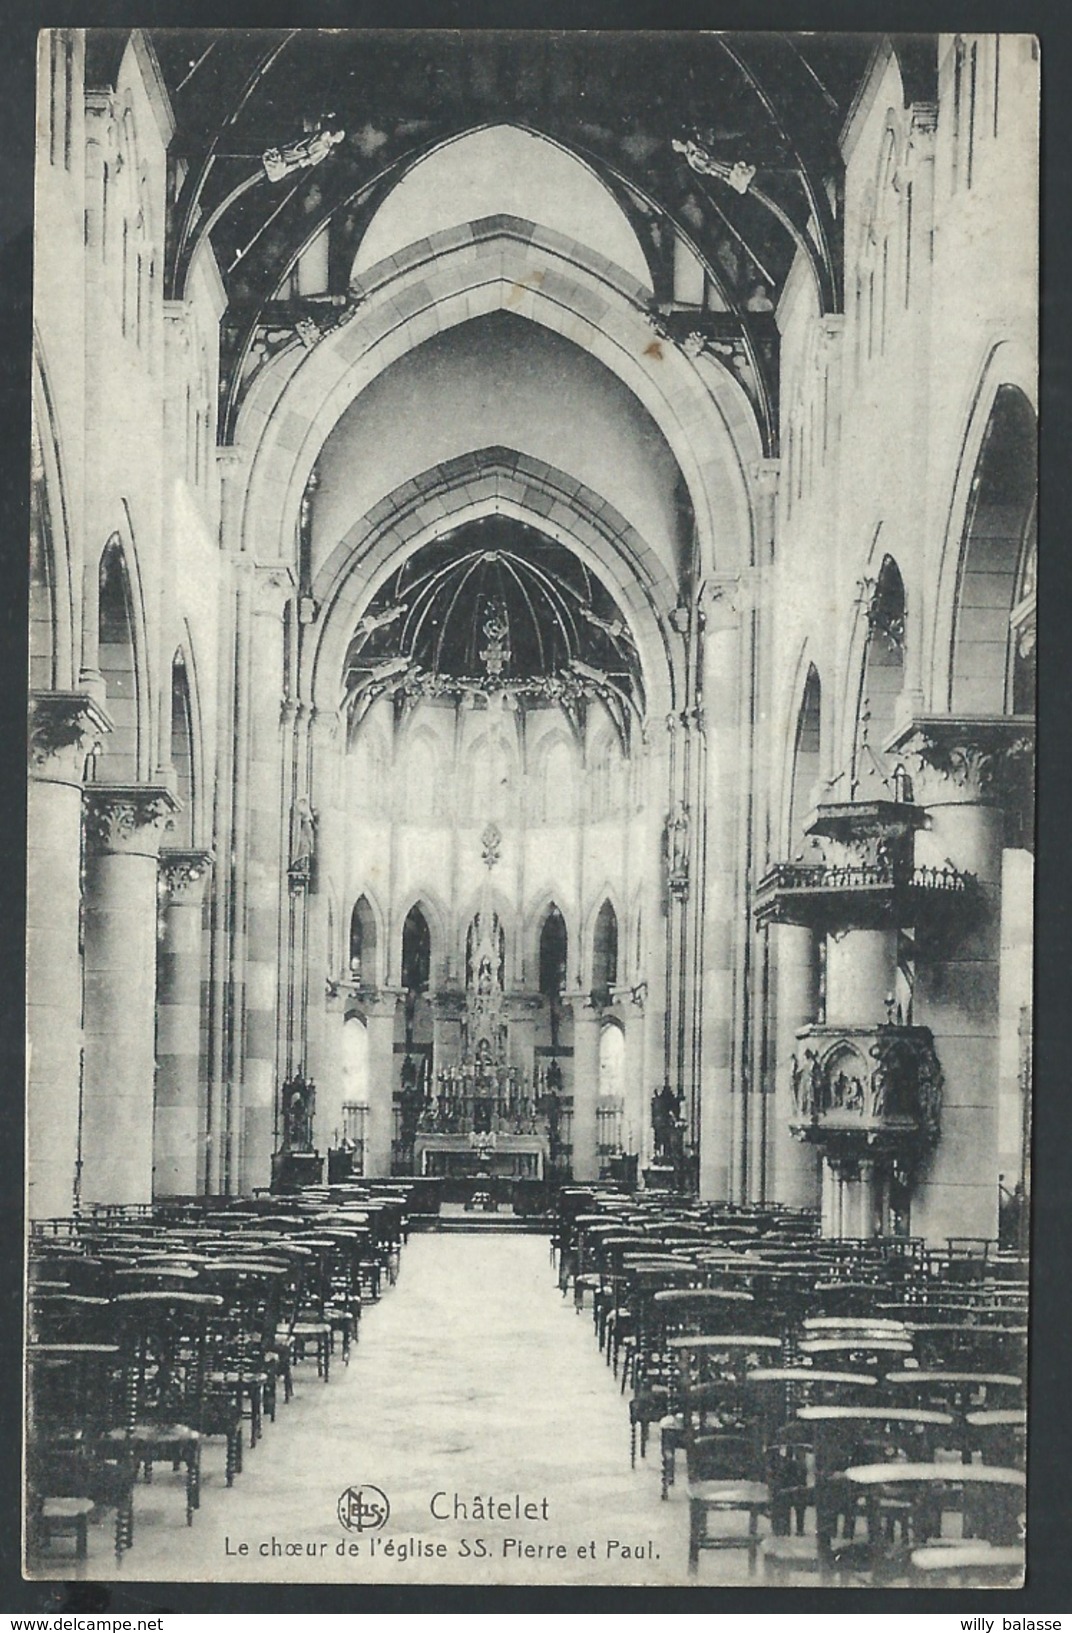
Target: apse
pixel 496 613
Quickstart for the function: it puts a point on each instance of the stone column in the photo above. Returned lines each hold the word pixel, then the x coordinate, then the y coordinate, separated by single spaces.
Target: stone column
pixel 64 730
pixel 325 1062
pixel 723 926
pixel 379 1011
pixel 266 894
pixel 586 1025
pixel 861 972
pixel 960 772
pixel 124 828
pixel 636 1115
pixel 179 1116
pixel 795 1178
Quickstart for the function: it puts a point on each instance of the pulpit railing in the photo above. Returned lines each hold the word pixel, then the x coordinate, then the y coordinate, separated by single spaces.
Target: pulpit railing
pixel 860 876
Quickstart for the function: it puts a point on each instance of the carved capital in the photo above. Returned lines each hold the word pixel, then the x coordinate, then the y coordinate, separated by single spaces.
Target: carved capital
pixel 273 587
pixel 966 759
pixel 184 875
pixel 232 460
pixel 766 473
pixel 65 729
pixel 924 117
pixel 128 820
pixel 723 599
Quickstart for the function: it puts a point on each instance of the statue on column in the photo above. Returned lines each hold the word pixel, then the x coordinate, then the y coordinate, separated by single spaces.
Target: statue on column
pixel 665 1106
pixel 677 849
pixel 299 1103
pixel 302 843
pixel 552 1109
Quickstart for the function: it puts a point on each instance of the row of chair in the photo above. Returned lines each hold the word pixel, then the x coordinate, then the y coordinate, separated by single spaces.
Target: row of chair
pixel 151 1333
pixel 782 1365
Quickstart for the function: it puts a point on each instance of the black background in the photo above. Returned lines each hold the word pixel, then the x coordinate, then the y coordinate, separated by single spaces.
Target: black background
pixel 1049 1586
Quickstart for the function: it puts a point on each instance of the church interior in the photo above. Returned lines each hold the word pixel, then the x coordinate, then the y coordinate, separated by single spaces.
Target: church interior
pixel 532 638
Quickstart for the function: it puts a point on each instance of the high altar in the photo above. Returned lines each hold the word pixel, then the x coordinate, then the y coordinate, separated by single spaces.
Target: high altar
pixel 486 1116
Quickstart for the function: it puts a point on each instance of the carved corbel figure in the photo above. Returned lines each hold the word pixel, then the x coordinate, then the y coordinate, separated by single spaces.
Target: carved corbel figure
pixel 281 162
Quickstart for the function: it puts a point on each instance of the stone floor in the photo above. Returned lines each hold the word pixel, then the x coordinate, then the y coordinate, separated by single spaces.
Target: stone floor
pixel 473 1379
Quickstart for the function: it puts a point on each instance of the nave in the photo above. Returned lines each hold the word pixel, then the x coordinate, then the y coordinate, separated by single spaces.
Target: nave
pixel 472 1373
pixel 815 1411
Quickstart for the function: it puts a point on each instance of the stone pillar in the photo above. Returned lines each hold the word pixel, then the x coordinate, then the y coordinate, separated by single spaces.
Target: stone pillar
pixel 124 828
pixel 795 1178
pixel 723 924
pixel 179 1114
pixel 64 730
pixel 636 1115
pixel 325 1063
pixel 861 972
pixel 266 895
pixel 960 770
pixel 379 1012
pixel 586 1025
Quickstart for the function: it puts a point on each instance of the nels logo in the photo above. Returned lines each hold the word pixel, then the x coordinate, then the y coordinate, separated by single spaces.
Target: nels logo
pixel 363 1508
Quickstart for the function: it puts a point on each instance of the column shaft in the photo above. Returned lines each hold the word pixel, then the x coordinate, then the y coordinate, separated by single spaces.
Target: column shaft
pixel 957 996
pixel 125 826
pixel 586 1023
pixel 382 1083
pixel 795 1177
pixel 180 1092
pixel 53 996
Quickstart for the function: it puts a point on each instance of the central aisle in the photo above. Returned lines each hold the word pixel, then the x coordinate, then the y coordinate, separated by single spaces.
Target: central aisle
pixel 475 1378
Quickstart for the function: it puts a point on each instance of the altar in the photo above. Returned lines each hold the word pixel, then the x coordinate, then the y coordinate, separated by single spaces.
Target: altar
pixel 453 1156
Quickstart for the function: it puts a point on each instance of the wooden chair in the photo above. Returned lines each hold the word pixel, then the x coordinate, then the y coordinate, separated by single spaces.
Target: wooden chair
pixel 163 1337
pixel 723 1440
pixel 990 1502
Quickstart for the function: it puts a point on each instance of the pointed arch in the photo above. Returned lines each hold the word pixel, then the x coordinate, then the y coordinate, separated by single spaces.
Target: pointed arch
pixel 370 766
pixel 51 545
pixel 552 951
pixel 708 424
pixel 504 910
pixel 881 678
pixel 182 752
pixel 502 170
pixel 490 778
pixel 1007 363
pixel 425 903
pixel 421 785
pixel 117 659
pixel 998 542
pixel 554 778
pixel 807 758
pixel 363 945
pixel 605 950
pixel 416 951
